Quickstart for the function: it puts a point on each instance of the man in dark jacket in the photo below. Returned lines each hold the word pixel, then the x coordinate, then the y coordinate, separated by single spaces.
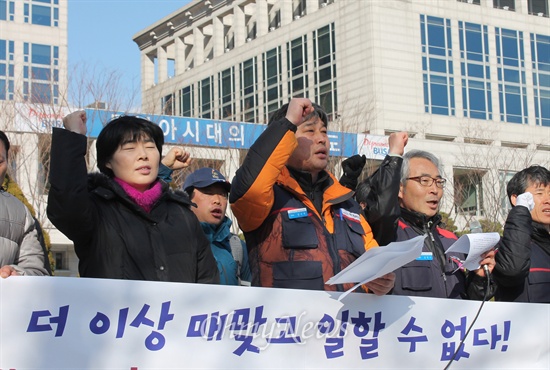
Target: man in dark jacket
pixel 301 225
pixel 523 259
pixel 434 274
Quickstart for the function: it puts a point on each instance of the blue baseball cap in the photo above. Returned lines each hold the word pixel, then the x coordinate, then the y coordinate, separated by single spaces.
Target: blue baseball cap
pixel 204 177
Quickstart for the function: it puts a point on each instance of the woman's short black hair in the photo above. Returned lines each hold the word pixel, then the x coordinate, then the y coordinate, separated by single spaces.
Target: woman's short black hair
pixel 6 142
pixel 122 130
pixel 318 111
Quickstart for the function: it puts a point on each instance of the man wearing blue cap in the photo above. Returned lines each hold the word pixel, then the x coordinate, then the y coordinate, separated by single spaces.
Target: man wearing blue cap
pixel 209 190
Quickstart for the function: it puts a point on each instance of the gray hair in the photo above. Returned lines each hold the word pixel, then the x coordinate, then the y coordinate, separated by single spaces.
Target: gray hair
pixel 406 169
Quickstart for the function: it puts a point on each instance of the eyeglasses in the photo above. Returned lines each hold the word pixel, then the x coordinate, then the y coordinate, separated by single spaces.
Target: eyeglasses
pixel 428 181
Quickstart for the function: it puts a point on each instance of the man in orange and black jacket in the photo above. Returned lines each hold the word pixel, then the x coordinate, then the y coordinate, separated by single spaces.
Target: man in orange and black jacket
pixel 301 226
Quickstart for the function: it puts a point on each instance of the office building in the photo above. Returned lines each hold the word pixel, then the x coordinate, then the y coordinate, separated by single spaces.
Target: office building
pixel 33 86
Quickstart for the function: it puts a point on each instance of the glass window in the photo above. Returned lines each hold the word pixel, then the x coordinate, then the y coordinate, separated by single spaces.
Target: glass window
pixel 297 61
pixel 41 15
pixel 186 101
pixel 540 53
pixel 538 7
pixel 468 190
pixel 226 91
pixel 504 4
pixel 3 10
pixel 205 98
pixel 41 54
pixel 168 105
pixel 249 97
pixel 438 80
pixel 324 53
pixel 41 93
pixel 511 76
pixel 272 81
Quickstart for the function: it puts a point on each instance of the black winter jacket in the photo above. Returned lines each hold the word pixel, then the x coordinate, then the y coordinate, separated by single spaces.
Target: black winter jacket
pixel 436 274
pixel 382 210
pixel 113 236
pixel 522 268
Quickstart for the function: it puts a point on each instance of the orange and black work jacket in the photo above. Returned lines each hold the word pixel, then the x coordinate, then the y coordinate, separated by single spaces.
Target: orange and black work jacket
pixel 297 238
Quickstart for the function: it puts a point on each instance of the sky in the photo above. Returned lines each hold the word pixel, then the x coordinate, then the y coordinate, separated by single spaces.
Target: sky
pixel 100 35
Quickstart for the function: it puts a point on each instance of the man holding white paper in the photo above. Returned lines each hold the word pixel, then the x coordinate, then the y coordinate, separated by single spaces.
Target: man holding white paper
pixel 301 225
pixel 433 274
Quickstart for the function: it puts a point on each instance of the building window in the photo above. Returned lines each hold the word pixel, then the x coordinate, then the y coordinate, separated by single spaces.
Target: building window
pixel 41 12
pixel 475 71
pixel 504 179
pixel 297 67
pixel 468 192
pixel 7 10
pixel 169 105
pixel 538 7
pixel 437 65
pixel 226 93
pixel 60 259
pixel 511 76
pixel 272 81
pixel 186 101
pixel 249 91
pixel 504 4
pixel 6 70
pixel 476 2
pixel 41 73
pixel 540 52
pixel 205 98
pixel 324 55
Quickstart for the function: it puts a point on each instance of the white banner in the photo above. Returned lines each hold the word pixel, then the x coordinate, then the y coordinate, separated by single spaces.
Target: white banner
pixel 75 323
pixel 373 146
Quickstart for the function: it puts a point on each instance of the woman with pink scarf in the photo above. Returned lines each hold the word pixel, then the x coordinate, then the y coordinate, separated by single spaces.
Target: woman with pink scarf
pixel 124 222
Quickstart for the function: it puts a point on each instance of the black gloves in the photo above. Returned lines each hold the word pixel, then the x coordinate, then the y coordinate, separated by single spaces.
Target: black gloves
pixel 353 166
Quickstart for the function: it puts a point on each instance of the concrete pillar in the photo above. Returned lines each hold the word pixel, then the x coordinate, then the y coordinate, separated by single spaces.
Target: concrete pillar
pixel 218 40
pixel 198 46
pixel 147 71
pixel 262 18
pixel 180 63
pixel 162 64
pixel 312 6
pixel 286 12
pixel 239 27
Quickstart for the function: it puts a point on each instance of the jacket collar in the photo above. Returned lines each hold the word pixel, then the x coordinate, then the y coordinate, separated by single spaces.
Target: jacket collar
pixel 419 219
pixel 218 233
pixel 106 188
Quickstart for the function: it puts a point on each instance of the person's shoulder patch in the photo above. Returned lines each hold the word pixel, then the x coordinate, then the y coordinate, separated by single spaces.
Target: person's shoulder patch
pixel 447 233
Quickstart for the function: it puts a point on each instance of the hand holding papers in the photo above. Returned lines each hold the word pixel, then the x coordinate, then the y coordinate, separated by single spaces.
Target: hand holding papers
pixel 377 262
pixel 474 245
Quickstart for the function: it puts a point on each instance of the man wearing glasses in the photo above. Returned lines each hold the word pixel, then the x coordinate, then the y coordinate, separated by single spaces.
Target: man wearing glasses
pixel 433 274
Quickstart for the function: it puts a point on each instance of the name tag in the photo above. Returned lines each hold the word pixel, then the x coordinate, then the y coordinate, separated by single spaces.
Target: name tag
pixel 297 213
pixel 425 256
pixel 349 215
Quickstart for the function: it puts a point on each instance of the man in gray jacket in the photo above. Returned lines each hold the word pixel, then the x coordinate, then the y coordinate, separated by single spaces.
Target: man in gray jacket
pixel 20 249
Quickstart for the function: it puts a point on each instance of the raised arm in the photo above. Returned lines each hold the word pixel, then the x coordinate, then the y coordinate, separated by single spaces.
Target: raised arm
pixel 69 206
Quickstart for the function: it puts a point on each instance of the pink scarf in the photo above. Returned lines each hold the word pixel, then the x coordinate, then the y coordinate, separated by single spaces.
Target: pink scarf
pixel 145 200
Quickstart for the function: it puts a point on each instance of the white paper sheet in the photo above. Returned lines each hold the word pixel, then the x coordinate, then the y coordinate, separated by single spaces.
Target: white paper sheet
pixel 474 245
pixel 377 262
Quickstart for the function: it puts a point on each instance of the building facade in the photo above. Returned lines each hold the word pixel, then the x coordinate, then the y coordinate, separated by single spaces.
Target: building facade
pixel 468 79
pixel 33 87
